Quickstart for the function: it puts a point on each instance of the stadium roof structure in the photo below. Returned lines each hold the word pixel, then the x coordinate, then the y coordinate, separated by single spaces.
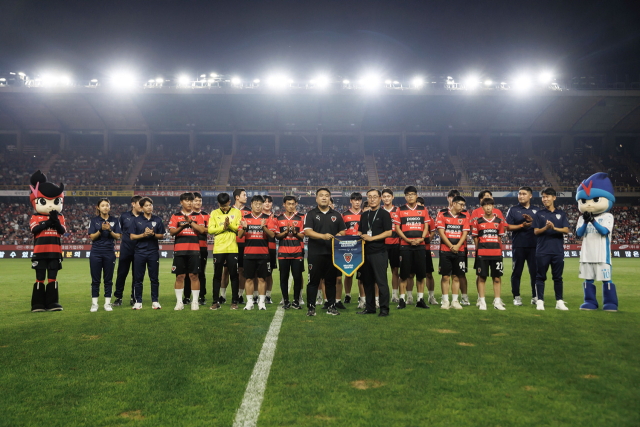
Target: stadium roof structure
pixel 230 110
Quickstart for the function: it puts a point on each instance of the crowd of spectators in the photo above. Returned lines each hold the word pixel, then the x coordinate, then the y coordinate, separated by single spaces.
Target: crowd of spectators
pixel 91 170
pixel 503 171
pixel 422 168
pixel 16 169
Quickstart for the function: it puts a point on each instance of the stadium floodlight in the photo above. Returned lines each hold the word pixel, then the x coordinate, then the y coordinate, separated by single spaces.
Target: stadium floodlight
pixel 202 76
pixel 278 81
pixel 214 75
pixel 345 82
pixel 395 82
pixel 488 82
pixel 417 82
pixel 387 82
pixel 21 74
pixel 522 83
pixel 159 81
pixel 320 82
pixel 471 82
pixel 256 81
pixel 370 82
pixel 236 81
pixel 94 80
pixel 546 77
pixel 183 80
pixel 123 80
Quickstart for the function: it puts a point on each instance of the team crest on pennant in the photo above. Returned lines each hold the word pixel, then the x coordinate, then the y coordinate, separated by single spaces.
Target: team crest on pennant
pixel 348 257
pixel 558 216
pixel 333 218
pixel 153 223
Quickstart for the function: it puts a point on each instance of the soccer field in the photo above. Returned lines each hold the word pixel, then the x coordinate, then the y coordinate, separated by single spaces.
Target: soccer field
pixel 415 367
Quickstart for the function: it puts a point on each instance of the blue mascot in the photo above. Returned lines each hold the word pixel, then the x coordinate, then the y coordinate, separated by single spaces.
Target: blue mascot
pixel 595 200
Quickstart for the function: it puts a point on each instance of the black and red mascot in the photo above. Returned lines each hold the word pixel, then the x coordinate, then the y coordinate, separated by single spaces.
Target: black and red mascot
pixel 47 226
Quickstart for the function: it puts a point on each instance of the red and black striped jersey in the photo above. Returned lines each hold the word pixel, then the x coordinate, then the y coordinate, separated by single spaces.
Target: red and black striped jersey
pixel 202 238
pixel 351 221
pixel 240 240
pixel 256 244
pixel 489 233
pixel 46 243
pixel 412 223
pixel 453 227
pixel 272 240
pixel 479 212
pixel 290 247
pixel 186 241
pixel 394 239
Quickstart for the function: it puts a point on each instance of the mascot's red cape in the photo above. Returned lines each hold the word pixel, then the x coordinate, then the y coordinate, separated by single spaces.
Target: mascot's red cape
pixel 47 226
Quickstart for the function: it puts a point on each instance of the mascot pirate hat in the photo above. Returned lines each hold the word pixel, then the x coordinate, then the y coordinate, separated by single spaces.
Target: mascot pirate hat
pixel 597 185
pixel 40 188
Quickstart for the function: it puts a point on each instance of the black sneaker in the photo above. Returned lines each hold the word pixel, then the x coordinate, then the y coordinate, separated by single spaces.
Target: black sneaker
pixel 267 300
pixel 340 305
pixel 133 301
pixel 347 299
pixel 383 314
pixel 332 311
pixel 240 300
pixel 326 305
pixel 365 311
pixel 286 305
pixel 202 301
pixel 117 302
pixel 296 305
pixel 186 301
pixel 421 304
pixel 401 304
pixel 222 300
pixel 311 312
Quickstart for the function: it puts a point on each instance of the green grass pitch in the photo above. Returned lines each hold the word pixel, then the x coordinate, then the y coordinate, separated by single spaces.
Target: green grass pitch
pixel 415 367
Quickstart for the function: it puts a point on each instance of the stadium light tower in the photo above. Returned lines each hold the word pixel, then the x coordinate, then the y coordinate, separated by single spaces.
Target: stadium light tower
pixel 236 81
pixel 320 82
pixel 123 80
pixel 417 82
pixel 370 82
pixel 278 81
pixel 546 77
pixel 471 82
pixel 522 83
pixel 184 81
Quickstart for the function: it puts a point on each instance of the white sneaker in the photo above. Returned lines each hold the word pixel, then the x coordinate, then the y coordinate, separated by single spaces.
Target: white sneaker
pixel 281 302
pixel 179 306
pixel 301 301
pixel 319 301
pixel 94 308
pixel 195 305
pixel 534 300
pixel 498 304
pixel 517 301
pixel 249 305
pixel 107 307
pixel 361 303
pixel 445 305
pixel 482 305
pixel 395 299
pixel 137 306
pixel 262 306
pixel 456 305
pixel 410 299
pixel 540 305
pixel 156 305
pixel 465 300
pixel 561 306
pixel 433 301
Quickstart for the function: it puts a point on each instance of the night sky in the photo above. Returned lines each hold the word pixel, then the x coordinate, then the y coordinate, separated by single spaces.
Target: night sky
pixel 251 38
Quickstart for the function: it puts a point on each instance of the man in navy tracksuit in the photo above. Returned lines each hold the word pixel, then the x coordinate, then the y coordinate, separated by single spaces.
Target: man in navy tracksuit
pixel 148 230
pixel 127 247
pixel 519 222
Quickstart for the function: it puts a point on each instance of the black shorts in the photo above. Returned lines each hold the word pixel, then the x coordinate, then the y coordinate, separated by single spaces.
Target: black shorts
pixel 413 261
pixel 393 253
pixel 47 264
pixel 273 258
pixel 475 263
pixel 186 264
pixel 466 258
pixel 260 268
pixel 495 264
pixel 452 264
pixel 429 261
pixel 241 256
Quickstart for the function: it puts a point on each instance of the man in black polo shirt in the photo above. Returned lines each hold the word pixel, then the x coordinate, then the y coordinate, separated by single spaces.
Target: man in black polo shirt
pixel 320 225
pixel 374 227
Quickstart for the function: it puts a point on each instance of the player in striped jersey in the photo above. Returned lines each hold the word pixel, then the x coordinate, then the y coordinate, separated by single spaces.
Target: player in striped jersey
pixel 464 297
pixel 393 245
pixel 290 251
pixel 204 253
pixel 185 226
pixel 487 232
pixel 273 256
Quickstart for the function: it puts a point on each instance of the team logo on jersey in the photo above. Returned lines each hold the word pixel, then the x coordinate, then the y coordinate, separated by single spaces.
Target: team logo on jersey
pixel 112 224
pixel 348 256
pixel 173 268
pixel 318 217
pixel 558 216
pixel 495 226
pixel 153 223
pixel 232 217
pixel 310 267
pixel 534 211
pixel 333 218
pixel 460 221
pixel 295 222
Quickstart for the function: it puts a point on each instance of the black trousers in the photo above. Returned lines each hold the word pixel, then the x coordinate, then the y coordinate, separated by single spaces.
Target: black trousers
pixel 321 267
pixel 520 255
pixel 296 266
pixel 125 262
pixel 374 270
pixel 231 261
pixel 102 264
pixel 204 256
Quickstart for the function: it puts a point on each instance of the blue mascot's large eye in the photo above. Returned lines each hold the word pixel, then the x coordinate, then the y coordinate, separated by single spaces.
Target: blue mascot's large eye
pixel 596 199
pixel 583 201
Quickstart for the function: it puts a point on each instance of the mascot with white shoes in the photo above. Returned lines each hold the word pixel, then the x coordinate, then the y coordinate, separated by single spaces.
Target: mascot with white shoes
pixel 47 226
pixel 595 226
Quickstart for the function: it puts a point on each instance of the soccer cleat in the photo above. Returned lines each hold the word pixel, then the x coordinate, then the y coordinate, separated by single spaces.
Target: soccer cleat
pixel 590 301
pixel 195 306
pixel 296 305
pixel 517 301
pixel 156 305
pixel 107 307
pixel 498 304
pixel 401 304
pixel 262 306
pixel 117 302
pixel 267 300
pixel 340 306
pixel 240 300
pixel 234 306
pixel 540 305
pixel 326 305
pixel 410 299
pixel 456 305
pixel 286 305
pixel 132 302
pixel 609 297
pixel 482 305
pixel 347 299
pixel 465 300
pixel 51 297
pixel 534 301
pixel 560 305
pixel 333 312
pixel 94 308
pixel 421 304
pixel 179 306
pixel 445 305
pixel 433 300
pixel 249 305
pixel 394 299
pixel 361 303
pixel 311 312
pixel 38 298
pixel 137 306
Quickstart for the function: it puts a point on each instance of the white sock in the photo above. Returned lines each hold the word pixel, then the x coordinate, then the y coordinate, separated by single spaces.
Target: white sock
pixel 455 297
pixel 464 296
pixel 431 293
pixel 403 296
pixel 394 293
pixel 240 292
pixel 262 297
pixel 107 300
pixel 420 295
pixel 481 299
pixel 497 300
pixel 179 294
pixel 377 299
pixel 194 295
pixel 269 294
pixel 326 300
pixel 223 292
pixel 445 297
pixel 94 301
